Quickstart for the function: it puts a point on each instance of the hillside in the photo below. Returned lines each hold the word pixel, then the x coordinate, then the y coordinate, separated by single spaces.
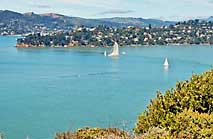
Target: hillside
pixel 16 23
pixel 183 33
pixel 138 22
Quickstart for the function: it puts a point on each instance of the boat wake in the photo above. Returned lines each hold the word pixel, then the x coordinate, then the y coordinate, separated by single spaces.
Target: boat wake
pixel 102 73
pixel 84 75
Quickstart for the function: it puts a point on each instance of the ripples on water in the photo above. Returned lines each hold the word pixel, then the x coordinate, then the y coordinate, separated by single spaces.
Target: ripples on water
pixel 53 89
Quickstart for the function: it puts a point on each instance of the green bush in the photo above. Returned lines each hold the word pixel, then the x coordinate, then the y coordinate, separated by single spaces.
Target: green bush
pixel 195 94
pixel 92 133
pixel 189 124
pixel 155 133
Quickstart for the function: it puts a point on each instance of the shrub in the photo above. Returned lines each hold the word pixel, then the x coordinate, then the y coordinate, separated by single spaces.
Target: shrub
pixel 189 124
pixel 195 94
pixel 156 133
pixel 93 133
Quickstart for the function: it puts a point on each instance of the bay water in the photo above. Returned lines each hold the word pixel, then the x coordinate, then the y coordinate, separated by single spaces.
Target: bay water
pixel 44 91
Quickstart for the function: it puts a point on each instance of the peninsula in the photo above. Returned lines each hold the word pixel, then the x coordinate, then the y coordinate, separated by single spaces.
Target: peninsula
pixel 182 33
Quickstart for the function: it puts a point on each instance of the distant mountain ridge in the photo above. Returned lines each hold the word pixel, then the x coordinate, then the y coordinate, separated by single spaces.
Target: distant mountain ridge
pixel 12 23
pixel 210 18
pixel 55 20
pixel 139 22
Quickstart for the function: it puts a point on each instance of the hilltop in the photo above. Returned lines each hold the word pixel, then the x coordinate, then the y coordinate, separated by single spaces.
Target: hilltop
pixel 12 23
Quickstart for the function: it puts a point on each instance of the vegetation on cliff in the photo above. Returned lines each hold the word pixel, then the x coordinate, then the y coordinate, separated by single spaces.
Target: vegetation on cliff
pixel 93 133
pixel 186 111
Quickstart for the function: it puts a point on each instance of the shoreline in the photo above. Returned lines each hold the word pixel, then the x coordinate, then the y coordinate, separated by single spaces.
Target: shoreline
pixel 83 46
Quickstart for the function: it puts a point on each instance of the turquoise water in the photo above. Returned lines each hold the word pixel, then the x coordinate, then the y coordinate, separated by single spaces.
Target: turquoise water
pixel 43 91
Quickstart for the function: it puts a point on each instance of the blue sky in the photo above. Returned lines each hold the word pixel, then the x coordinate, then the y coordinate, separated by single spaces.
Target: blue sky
pixel 159 9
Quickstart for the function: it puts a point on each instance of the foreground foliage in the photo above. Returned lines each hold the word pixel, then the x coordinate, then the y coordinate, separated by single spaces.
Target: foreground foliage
pixel 93 133
pixel 186 111
pixel 189 124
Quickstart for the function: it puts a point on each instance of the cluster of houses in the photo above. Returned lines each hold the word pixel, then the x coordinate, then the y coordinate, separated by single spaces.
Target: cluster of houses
pixel 182 33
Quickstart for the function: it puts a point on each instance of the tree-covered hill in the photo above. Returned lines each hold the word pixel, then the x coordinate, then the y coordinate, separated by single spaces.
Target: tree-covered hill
pixel 192 32
pixel 16 23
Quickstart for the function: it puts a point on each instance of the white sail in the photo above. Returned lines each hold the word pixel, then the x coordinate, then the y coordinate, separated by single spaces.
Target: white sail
pixel 166 63
pixel 115 51
pixel 105 53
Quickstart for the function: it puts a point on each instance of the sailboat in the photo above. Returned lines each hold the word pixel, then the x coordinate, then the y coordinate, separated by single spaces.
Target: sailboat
pixel 105 53
pixel 166 64
pixel 115 51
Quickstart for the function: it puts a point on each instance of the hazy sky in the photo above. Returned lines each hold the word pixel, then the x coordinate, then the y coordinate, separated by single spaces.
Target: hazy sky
pixel 160 9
